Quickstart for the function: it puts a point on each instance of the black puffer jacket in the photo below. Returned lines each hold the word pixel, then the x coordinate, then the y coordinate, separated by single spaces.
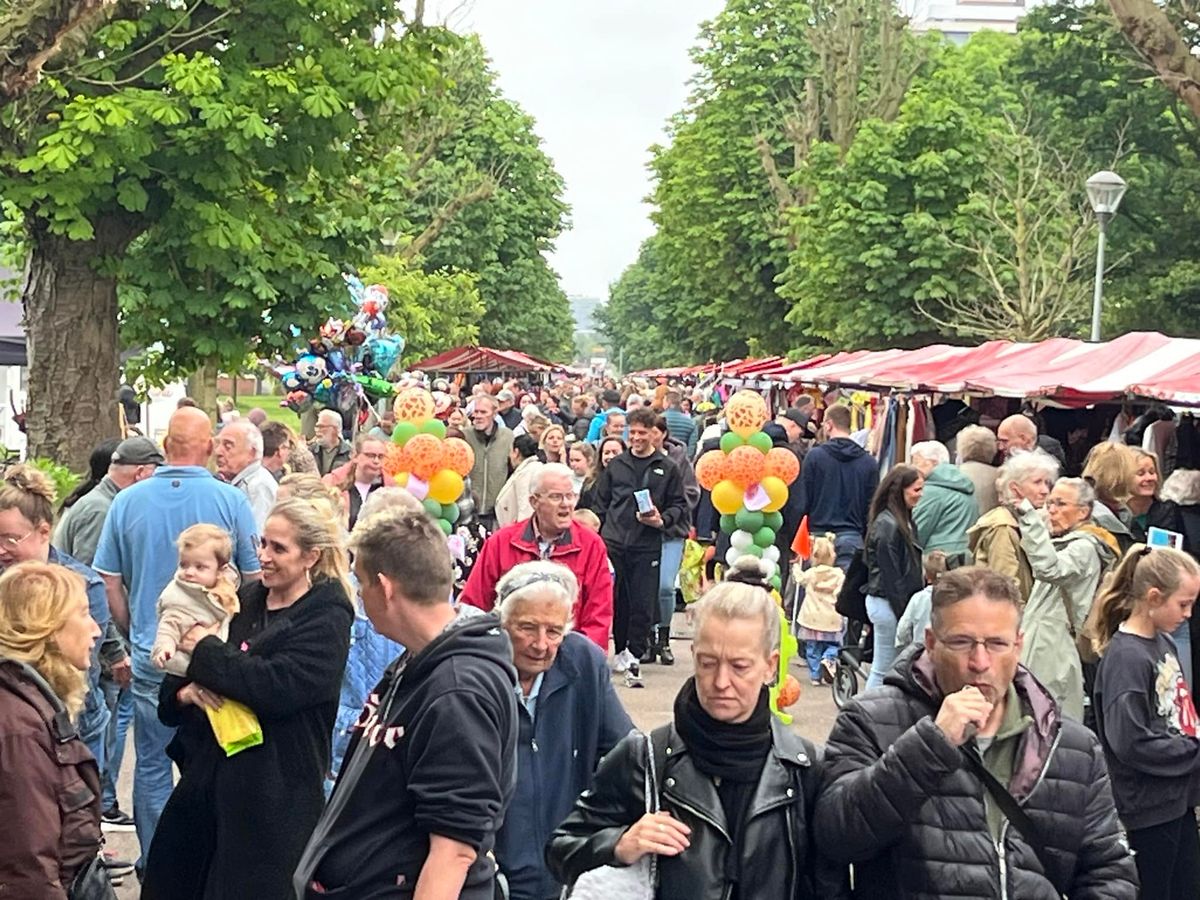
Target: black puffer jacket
pixel 777 858
pixel 893 563
pixel 902 806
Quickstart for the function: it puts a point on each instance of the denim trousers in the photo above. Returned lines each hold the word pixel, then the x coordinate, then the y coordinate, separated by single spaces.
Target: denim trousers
pixel 815 651
pixel 668 571
pixel 120 706
pixel 883 627
pixel 1183 643
pixel 152 777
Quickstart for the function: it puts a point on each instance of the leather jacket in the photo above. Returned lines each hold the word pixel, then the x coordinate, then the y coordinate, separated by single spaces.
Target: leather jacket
pixel 777 855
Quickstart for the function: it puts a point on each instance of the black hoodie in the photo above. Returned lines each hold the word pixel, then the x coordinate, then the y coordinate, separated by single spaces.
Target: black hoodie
pixel 443 762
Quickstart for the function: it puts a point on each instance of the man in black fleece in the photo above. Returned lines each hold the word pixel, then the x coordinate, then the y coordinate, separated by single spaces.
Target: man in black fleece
pixel 634 539
pixel 431 766
pixel 837 482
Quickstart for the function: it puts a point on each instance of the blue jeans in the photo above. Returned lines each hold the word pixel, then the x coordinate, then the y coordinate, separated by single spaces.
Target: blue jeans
pixel 883 627
pixel 93 719
pixel 815 651
pixel 668 571
pixel 844 545
pixel 120 705
pixel 1183 643
pixel 152 777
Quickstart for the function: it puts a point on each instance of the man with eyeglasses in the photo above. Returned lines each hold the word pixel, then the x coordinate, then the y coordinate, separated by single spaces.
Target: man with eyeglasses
pixel 550 533
pixel 961 777
pixel 329 448
pixel 360 477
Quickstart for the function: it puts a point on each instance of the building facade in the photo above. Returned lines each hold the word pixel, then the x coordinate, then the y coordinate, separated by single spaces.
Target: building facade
pixel 959 19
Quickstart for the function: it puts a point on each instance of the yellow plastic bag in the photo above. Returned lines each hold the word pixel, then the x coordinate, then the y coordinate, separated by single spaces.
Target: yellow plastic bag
pixel 691 572
pixel 235 726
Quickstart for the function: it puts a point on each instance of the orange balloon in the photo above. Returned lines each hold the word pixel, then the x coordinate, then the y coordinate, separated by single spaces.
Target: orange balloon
pixel 711 468
pixel 745 466
pixel 458 455
pixel 425 453
pixel 397 461
pixel 746 412
pixel 783 464
pixel 414 405
pixel 789 692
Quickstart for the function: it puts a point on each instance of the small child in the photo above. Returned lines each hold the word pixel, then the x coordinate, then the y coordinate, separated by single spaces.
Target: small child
pixel 820 622
pixel 587 519
pixel 1145 717
pixel 201 593
pixel 911 627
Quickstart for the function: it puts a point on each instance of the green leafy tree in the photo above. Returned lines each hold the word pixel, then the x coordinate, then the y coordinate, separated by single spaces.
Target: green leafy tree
pixel 636 297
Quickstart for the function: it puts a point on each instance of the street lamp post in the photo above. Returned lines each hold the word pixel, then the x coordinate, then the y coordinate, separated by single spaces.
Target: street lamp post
pixel 1105 190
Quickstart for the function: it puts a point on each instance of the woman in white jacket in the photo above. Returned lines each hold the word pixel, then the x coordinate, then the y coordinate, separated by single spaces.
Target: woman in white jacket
pixel 512 505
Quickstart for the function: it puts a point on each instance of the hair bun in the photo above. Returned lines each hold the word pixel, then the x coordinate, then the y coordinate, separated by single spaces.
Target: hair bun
pixel 749 569
pixel 30 480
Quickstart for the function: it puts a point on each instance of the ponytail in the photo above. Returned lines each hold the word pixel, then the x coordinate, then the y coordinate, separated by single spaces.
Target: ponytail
pixel 1141 569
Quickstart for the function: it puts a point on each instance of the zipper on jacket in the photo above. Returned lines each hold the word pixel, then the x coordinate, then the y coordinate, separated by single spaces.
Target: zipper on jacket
pixel 1045 768
pixel 533 743
pixel 1002 853
pixel 706 818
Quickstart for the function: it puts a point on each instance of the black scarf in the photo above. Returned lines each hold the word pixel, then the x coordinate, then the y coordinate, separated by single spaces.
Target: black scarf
pixel 722 749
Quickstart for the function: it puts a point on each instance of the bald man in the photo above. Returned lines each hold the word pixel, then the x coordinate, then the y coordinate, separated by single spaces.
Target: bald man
pixel 1019 432
pixel 137 557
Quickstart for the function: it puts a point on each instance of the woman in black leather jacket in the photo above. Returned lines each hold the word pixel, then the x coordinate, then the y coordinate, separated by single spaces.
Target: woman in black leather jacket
pixel 736 787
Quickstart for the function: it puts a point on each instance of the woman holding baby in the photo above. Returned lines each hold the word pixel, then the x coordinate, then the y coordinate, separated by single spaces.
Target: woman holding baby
pixel 239 817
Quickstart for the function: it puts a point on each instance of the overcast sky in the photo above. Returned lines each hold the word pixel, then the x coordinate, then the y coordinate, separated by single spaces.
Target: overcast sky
pixel 601 79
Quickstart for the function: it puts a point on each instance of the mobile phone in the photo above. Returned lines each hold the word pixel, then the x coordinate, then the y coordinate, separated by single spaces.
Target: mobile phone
pixel 644 504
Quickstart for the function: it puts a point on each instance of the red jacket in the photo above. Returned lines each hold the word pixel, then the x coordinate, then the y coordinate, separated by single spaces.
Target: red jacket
pixel 578 549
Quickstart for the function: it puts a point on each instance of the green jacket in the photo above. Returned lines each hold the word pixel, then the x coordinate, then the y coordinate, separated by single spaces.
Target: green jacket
pixel 946 510
pixel 491 464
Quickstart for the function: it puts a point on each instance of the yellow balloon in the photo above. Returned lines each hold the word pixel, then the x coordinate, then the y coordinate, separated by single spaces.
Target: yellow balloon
pixel 777 490
pixel 401 480
pixel 445 486
pixel 727 497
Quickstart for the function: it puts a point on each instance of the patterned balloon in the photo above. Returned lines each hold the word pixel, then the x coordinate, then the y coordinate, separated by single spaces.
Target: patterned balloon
pixel 789 692
pixel 458 455
pixel 711 468
pixel 414 405
pixel 744 466
pixel 745 412
pixel 425 453
pixel 783 464
pixel 397 461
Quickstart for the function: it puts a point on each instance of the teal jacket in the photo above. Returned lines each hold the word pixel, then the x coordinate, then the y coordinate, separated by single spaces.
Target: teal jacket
pixel 946 510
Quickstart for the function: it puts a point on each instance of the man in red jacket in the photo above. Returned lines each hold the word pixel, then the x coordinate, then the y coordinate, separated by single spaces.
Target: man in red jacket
pixel 550 533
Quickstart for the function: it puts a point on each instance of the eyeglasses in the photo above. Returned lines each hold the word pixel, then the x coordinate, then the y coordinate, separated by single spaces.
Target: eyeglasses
pixel 960 643
pixel 375 456
pixel 9 542
pixel 532 630
pixel 561 498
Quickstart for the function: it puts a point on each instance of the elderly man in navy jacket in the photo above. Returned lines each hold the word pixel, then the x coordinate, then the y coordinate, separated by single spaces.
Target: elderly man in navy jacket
pixel 569 717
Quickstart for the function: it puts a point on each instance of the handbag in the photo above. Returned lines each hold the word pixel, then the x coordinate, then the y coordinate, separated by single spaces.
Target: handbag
pixel 852 598
pixel 636 882
pixel 92 883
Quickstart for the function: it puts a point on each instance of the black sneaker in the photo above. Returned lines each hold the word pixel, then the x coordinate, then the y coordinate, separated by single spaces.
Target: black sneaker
pixel 113 819
pixel 666 656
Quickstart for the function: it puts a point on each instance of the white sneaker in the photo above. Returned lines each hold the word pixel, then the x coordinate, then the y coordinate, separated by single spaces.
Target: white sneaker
pixel 621 662
pixel 633 675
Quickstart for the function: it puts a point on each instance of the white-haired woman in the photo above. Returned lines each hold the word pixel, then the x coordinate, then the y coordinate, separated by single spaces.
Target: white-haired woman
pixel 995 540
pixel 1067 554
pixel 976 451
pixel 722 749
pixel 570 717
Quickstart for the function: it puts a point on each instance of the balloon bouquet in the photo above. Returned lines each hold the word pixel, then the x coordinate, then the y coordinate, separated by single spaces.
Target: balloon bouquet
pixel 748 479
pixel 424 461
pixel 348 360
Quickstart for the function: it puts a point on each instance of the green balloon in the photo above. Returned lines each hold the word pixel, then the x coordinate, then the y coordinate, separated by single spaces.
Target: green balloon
pixel 754 550
pixel 432 507
pixel 403 432
pixel 450 512
pixel 749 521
pixel 774 520
pixel 760 441
pixel 777 582
pixel 728 524
pixel 729 441
pixel 436 427
pixel 445 526
pixel 764 537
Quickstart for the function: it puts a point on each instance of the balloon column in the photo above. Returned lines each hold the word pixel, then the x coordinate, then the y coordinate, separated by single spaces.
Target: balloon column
pixel 749 479
pixel 424 461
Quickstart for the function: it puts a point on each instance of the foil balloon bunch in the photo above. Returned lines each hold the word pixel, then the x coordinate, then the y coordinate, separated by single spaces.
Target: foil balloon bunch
pixel 424 461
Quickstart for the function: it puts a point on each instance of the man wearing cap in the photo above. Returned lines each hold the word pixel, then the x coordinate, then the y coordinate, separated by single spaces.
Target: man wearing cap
pixel 610 401
pixel 797 425
pixel 509 414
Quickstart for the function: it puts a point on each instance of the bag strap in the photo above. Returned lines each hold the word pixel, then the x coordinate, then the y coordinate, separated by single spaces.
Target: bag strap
pixel 652 800
pixel 1008 804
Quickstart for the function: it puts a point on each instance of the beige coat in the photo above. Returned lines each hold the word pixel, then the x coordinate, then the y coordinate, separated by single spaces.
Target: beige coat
pixel 983 477
pixel 821 586
pixel 513 503
pixel 182 605
pixel 996 544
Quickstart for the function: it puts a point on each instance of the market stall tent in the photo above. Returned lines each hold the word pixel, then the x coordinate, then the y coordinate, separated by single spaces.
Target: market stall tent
pixel 482 360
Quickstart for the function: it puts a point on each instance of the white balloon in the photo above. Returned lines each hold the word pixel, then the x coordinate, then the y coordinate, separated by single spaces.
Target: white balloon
pixel 741 539
pixel 732 555
pixel 770 568
pixel 771 554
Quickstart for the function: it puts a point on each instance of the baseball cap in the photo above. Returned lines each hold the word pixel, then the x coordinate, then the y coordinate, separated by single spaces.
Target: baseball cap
pixel 800 418
pixel 138 451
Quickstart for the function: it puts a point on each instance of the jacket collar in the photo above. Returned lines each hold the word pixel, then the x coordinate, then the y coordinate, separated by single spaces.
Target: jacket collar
pixel 529 537
pixel 563 672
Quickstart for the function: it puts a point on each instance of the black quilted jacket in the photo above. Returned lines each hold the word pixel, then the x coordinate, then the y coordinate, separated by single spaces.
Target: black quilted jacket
pixel 901 805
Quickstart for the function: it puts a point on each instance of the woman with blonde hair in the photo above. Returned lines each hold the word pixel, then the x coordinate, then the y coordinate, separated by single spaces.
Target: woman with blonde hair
pixel 49 782
pixel 235 826
pixel 553 444
pixel 1146 508
pixel 1111 470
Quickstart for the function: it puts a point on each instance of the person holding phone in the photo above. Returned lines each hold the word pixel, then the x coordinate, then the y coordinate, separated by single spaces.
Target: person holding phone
pixel 639 495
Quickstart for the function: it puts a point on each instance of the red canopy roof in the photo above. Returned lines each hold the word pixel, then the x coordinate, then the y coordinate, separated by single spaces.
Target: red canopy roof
pixel 483 359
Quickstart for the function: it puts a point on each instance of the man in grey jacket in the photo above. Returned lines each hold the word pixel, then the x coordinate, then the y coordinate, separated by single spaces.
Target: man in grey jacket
pixel 492 442
pixel 906 801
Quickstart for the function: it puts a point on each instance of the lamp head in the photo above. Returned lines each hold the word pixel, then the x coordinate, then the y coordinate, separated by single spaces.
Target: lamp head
pixel 1105 190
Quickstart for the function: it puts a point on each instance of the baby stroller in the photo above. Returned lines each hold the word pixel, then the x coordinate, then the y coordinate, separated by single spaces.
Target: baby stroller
pixel 853 662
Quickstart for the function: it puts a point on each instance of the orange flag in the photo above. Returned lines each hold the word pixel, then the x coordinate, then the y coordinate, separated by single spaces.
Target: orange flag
pixel 802 543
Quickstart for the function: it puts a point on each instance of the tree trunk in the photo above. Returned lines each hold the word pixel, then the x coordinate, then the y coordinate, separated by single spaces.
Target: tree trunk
pixel 1152 34
pixel 202 387
pixel 34 32
pixel 71 342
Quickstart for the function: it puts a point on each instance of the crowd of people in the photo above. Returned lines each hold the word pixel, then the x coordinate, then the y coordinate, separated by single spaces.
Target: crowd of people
pixel 360 706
